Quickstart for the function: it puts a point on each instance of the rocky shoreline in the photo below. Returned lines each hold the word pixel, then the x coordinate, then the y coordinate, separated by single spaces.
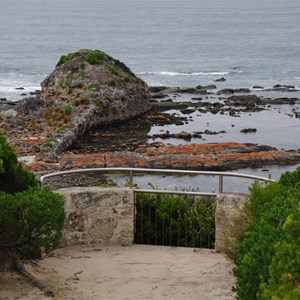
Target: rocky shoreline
pixel 126 144
pixel 106 115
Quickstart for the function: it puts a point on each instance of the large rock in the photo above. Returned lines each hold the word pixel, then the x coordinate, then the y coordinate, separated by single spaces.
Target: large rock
pixel 87 89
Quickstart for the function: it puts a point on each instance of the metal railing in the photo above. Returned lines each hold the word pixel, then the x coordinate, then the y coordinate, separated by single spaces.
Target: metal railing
pixel 130 172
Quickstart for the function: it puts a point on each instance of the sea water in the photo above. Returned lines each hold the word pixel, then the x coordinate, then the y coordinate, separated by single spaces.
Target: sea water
pixel 166 42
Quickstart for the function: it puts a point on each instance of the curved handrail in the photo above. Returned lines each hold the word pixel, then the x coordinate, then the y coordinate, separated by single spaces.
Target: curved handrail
pixel 130 172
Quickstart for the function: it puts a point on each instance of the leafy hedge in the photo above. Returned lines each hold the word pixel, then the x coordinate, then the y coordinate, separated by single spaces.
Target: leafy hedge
pixel 268 265
pixel 31 218
pixel 175 220
pixel 13 177
pixel 31 222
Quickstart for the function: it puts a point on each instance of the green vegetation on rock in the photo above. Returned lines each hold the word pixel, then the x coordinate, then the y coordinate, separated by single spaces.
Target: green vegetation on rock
pixel 92 57
pixel 65 58
pixel 101 102
pixel 94 87
pixel 113 69
pixel 68 109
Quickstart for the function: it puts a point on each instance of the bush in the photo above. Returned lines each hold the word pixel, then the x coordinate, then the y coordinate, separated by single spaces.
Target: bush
pixel 65 58
pixel 90 56
pixel 101 102
pixel 94 87
pixel 175 221
pixel 8 161
pixel 31 219
pixel 13 177
pixel 284 279
pixel 94 57
pixel 68 109
pixel 272 211
pixel 113 69
pixel 31 222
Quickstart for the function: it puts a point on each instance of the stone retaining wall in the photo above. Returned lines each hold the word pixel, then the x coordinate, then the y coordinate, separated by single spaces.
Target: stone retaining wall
pixel 106 216
pixel 228 208
pixel 98 216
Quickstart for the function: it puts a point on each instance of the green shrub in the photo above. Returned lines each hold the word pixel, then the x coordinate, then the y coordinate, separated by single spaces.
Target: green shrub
pixel 65 58
pixel 13 177
pixel 94 57
pixel 113 69
pixel 175 220
pixel 31 222
pixel 122 66
pixel 257 274
pixel 100 102
pixel 68 109
pixel 94 87
pixel 31 219
pixel 8 160
pixel 284 279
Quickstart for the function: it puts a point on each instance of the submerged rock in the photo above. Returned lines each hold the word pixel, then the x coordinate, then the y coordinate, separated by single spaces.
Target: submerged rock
pixel 87 89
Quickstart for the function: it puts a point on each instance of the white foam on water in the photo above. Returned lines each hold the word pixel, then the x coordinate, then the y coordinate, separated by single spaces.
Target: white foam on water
pixel 170 73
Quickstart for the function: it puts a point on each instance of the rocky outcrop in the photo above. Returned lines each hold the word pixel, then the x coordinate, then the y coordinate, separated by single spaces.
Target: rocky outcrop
pixel 88 89
pixel 213 157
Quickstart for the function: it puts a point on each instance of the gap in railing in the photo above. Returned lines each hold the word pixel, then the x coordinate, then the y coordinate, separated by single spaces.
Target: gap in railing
pixel 175 220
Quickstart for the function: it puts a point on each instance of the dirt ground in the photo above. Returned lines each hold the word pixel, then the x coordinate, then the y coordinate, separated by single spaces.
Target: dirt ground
pixel 135 272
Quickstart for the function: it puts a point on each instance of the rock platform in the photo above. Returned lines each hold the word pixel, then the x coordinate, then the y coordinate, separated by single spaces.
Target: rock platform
pixel 214 157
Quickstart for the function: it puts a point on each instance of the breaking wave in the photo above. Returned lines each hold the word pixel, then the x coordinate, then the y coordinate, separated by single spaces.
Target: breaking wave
pixel 169 73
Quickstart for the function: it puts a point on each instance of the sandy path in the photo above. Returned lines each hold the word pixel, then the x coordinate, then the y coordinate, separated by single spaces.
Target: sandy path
pixel 136 272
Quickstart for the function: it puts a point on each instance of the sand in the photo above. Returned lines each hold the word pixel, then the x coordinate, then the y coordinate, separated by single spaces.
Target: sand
pixel 135 272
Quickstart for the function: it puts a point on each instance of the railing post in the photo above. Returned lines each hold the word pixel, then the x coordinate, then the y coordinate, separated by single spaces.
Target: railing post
pixel 220 184
pixel 130 179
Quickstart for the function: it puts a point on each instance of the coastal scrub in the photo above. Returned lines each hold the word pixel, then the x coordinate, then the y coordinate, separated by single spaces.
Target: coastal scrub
pixel 268 261
pixel 31 219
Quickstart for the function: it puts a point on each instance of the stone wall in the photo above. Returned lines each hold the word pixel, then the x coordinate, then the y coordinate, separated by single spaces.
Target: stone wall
pixel 98 215
pixel 228 208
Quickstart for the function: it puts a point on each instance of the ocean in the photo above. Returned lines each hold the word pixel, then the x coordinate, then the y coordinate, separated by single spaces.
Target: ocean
pixel 165 42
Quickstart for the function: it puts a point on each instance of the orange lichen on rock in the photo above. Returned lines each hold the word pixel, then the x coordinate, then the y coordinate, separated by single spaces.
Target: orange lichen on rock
pixel 125 159
pixel 78 161
pixel 214 156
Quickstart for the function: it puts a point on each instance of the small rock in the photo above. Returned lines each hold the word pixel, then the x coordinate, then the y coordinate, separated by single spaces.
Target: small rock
pixel 226 91
pixel 210 87
pixel 159 96
pixel 242 90
pixel 220 79
pixel 248 130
